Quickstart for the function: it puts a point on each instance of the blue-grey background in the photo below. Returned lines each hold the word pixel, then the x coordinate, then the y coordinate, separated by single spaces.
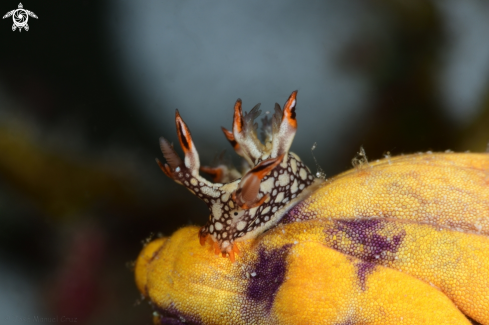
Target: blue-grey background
pixel 87 91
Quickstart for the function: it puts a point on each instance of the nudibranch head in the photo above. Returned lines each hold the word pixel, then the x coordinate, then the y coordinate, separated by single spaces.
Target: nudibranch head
pixel 243 205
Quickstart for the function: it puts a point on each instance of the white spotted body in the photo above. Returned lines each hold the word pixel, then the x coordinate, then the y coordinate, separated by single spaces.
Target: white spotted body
pixel 243 208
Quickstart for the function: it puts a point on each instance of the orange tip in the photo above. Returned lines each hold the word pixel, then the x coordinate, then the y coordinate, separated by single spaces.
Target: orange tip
pixel 231 256
pixel 216 248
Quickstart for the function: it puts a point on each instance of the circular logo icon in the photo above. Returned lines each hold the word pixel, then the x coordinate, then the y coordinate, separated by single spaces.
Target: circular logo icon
pixel 20 17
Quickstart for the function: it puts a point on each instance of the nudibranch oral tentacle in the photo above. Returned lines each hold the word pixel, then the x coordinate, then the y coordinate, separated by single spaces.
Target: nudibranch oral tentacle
pixel 243 206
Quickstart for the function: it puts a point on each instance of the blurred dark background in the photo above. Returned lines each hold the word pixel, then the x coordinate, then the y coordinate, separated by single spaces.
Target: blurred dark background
pixel 87 91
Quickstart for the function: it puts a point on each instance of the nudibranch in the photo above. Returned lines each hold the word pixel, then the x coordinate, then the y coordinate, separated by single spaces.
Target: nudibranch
pixel 243 205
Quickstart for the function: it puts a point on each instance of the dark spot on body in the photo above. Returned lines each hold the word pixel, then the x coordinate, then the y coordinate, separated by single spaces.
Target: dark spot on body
pixel 264 164
pixel 292 111
pixel 270 270
pixel 184 139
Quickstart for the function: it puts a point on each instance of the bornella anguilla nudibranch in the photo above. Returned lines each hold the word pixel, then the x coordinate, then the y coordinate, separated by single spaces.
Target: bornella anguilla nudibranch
pixel 244 204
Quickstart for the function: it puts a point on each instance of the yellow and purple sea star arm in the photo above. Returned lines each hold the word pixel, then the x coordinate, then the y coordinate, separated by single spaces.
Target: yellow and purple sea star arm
pixel 333 294
pixel 445 189
pixel 282 281
pixel 453 262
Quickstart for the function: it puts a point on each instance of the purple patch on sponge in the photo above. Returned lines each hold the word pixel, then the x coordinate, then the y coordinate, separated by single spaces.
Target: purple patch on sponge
pixel 376 248
pixel 297 213
pixel 268 274
pixel 364 232
pixel 364 269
